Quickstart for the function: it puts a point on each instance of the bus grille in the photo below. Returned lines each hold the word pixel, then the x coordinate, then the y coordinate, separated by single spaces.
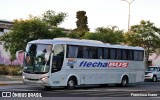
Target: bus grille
pixel 32 79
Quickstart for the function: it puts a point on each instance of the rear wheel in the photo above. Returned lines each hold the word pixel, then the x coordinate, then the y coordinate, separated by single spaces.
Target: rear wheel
pixel 124 81
pixel 154 78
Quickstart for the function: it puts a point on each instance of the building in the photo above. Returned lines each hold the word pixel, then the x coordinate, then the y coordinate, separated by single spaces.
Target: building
pixel 5 26
pixel 154 60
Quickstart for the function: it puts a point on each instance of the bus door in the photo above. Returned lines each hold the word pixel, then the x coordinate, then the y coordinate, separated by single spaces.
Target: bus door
pixel 57 63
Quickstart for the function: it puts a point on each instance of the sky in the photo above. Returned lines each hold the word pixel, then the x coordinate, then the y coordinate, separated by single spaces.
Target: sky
pixel 100 13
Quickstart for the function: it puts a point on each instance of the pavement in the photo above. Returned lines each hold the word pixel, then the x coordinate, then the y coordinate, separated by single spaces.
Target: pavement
pixel 10 80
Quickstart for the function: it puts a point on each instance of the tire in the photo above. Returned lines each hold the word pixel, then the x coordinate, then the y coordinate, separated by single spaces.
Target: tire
pixel 71 83
pixel 48 87
pixel 154 79
pixel 124 81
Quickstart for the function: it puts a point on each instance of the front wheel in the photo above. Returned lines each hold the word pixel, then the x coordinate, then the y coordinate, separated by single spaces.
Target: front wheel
pixel 71 83
pixel 48 87
pixel 154 78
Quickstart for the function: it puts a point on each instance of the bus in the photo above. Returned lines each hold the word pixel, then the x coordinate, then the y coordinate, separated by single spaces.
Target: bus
pixel 73 62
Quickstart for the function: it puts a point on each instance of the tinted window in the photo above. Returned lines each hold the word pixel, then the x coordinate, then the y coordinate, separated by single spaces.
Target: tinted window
pixel 80 52
pixel 141 55
pixel 124 54
pixel 119 54
pixel 106 53
pixel 95 53
pixel 72 51
pixel 113 53
pixel 129 55
pixel 100 53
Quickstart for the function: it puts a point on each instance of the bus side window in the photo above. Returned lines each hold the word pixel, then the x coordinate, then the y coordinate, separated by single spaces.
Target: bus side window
pixel 72 51
pixel 106 53
pixel 87 52
pixel 140 55
pixel 80 52
pixel 124 54
pixel 119 54
pixel 129 55
pixel 113 53
pixel 136 55
pixel 100 53
pixel 95 53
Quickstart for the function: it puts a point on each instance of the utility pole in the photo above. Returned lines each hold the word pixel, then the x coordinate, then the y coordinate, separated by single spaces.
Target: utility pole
pixel 129 3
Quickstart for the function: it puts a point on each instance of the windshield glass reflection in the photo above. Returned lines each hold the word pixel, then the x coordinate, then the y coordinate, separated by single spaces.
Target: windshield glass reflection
pixel 37 58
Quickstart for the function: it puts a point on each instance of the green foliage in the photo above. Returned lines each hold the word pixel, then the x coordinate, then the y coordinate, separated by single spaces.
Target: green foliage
pixel 108 35
pixel 56 32
pixel 53 19
pixel 74 34
pixel 33 28
pixel 77 34
pixel 82 21
pixel 145 35
pixel 10 70
pixel 22 32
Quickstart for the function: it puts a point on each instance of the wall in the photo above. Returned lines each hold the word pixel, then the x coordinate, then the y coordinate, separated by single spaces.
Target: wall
pixel 155 59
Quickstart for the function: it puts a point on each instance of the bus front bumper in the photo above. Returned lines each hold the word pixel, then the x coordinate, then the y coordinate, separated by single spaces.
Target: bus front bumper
pixel 36 82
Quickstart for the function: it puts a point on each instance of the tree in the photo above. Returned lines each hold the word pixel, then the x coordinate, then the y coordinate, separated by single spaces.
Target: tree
pixel 53 19
pixel 81 23
pixel 106 34
pixel 24 31
pixel 145 35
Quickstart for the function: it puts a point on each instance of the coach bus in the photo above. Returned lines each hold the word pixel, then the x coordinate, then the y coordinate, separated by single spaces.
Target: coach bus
pixel 73 62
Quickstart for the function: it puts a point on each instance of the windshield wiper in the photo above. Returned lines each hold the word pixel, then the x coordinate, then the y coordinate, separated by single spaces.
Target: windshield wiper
pixel 27 72
pixel 40 72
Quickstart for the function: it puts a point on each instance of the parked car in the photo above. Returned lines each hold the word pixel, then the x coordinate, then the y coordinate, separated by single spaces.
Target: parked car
pixel 152 73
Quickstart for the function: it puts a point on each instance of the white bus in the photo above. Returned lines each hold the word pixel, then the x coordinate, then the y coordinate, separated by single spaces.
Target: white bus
pixel 71 62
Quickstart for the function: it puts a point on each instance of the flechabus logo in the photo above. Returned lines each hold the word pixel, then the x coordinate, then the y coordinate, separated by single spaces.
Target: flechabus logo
pixel 93 64
pixel 118 64
pixel 104 64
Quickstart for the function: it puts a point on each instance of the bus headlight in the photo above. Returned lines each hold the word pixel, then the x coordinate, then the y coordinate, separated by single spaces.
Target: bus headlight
pixel 23 77
pixel 44 78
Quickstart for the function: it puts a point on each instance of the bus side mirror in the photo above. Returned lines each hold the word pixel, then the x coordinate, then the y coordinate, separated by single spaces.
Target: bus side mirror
pixel 20 56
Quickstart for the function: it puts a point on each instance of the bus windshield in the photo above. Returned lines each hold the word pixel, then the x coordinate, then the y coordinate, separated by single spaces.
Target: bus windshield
pixel 37 58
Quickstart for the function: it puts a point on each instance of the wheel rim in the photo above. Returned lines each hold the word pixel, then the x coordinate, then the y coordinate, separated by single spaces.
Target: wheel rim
pixel 124 82
pixel 71 83
pixel 154 79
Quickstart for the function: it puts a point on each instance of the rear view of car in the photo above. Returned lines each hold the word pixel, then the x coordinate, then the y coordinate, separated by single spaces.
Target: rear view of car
pixel 152 73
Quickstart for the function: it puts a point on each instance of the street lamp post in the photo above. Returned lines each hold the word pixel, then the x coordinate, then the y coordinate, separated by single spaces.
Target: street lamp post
pixel 129 3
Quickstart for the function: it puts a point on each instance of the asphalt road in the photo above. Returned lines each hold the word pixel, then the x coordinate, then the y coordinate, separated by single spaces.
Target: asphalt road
pixel 144 90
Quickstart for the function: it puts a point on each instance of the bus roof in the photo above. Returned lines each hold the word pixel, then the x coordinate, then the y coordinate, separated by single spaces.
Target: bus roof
pixel 83 42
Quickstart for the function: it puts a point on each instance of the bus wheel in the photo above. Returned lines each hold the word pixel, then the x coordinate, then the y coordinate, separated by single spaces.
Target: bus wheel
pixel 48 87
pixel 71 83
pixel 124 81
pixel 154 78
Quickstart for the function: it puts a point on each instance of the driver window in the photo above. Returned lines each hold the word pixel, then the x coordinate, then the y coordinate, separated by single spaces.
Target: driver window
pixel 58 57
